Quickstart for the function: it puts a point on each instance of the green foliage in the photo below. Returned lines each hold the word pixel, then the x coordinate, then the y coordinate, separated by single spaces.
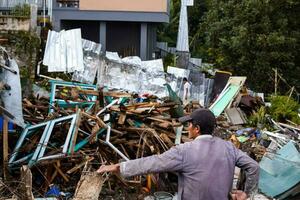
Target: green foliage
pixel 248 38
pixel 284 108
pixel 258 118
pixel 251 37
pixel 25 45
pixel 24 42
pixel 21 10
pixel 168 32
pixel 169 60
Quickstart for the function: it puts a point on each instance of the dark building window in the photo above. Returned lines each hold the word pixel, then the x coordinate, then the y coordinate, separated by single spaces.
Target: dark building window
pixel 123 37
pixel 89 29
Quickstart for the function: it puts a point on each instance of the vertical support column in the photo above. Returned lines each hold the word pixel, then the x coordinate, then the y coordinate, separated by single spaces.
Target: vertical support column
pixel 33 17
pixel 143 41
pixel 5 147
pixel 56 22
pixel 102 36
pixel 49 9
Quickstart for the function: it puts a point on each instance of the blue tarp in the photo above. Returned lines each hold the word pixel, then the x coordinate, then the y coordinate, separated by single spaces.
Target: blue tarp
pixel 281 173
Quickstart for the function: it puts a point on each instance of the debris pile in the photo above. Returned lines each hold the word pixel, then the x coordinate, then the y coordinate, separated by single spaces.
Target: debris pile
pixel 132 112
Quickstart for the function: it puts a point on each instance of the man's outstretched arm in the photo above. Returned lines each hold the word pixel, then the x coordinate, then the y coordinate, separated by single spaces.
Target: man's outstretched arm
pixel 171 160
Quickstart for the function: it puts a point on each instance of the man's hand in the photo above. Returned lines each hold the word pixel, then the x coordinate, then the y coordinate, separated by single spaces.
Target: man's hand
pixel 238 195
pixel 109 168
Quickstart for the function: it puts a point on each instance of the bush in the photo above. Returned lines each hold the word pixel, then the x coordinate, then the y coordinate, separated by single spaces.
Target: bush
pixel 284 108
pixel 21 10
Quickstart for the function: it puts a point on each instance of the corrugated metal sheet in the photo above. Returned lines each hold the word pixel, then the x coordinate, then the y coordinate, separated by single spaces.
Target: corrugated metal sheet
pixel 64 51
pixel 196 61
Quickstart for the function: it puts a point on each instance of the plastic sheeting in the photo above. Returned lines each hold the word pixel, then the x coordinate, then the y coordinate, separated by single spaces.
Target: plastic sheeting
pixel 281 173
pixel 12 98
pixel 175 79
pixel 63 52
pixel 91 61
pixel 197 87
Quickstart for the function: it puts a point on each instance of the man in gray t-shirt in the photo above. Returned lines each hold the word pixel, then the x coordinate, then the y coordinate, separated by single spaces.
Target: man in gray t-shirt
pixel 205 165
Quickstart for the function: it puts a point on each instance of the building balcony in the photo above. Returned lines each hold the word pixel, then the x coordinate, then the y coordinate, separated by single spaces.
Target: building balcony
pixel 12 3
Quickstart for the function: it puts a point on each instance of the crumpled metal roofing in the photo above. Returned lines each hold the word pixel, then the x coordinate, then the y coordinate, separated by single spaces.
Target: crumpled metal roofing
pixel 63 52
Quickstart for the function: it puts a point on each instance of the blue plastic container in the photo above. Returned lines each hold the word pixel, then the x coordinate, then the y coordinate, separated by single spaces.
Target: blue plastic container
pixel 10 125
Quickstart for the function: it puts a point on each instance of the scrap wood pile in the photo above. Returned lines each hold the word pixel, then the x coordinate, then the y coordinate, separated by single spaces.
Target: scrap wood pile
pixel 73 129
pixel 68 133
pixel 76 130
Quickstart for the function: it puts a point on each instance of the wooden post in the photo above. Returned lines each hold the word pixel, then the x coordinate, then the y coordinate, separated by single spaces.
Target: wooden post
pixel 26 181
pixel 276 82
pixel 5 147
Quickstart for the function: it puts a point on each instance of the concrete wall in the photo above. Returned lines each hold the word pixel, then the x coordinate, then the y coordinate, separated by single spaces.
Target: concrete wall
pixel 125 5
pixel 14 23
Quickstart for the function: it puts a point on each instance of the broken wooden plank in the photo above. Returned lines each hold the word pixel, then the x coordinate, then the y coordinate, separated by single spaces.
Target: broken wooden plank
pixel 77 167
pixel 160 120
pixel 122 118
pixel 78 122
pixel 56 165
pixel 5 148
pixel 89 186
pixel 26 183
pixel 117 94
pixel 166 139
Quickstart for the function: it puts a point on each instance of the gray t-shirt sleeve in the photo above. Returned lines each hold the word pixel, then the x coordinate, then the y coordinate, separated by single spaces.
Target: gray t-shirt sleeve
pixel 171 160
pixel 251 168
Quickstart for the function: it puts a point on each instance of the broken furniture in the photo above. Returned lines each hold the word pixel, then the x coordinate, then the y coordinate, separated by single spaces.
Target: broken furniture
pixel 228 94
pixel 71 94
pixel 41 142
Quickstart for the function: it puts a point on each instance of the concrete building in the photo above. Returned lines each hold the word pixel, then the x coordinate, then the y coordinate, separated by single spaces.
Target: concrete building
pixel 125 26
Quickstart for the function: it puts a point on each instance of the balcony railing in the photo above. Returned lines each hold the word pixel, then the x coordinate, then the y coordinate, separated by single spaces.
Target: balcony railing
pixel 67 3
pixel 44 7
pixel 13 3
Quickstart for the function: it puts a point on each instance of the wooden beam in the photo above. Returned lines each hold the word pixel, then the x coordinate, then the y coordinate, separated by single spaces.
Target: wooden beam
pixel 74 169
pixel 5 148
pixel 78 122
pixel 56 165
pixel 122 118
pixel 26 183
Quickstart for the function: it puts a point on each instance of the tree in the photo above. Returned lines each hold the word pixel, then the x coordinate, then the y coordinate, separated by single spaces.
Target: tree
pixel 251 37
pixel 168 32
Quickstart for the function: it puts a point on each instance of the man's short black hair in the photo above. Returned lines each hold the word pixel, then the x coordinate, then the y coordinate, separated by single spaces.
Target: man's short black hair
pixel 184 79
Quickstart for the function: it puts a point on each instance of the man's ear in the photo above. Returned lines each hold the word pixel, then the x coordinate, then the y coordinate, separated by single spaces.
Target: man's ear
pixel 198 129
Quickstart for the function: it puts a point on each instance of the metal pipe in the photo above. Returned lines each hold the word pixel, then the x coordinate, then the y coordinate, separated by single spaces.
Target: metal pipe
pixel 21 160
pixel 108 106
pixel 112 146
pixel 56 156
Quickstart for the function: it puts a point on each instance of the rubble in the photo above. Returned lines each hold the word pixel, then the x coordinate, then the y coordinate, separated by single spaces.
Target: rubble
pixel 74 127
